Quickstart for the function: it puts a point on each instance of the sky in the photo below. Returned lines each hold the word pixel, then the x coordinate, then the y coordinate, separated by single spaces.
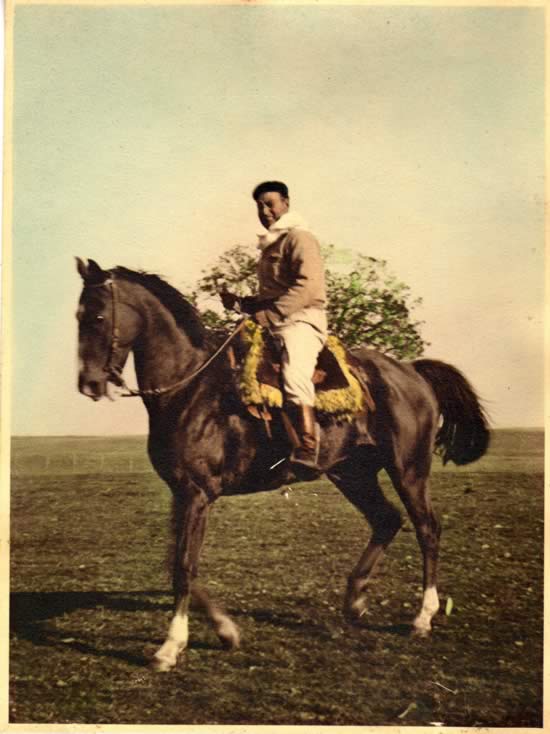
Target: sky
pixel 411 134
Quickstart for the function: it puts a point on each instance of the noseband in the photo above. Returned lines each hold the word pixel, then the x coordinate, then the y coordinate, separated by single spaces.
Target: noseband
pixel 114 371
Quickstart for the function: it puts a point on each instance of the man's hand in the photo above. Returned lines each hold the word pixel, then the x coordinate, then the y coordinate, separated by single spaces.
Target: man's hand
pixel 261 318
pixel 230 300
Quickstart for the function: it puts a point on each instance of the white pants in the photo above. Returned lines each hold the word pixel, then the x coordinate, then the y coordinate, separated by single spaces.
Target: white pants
pixel 302 344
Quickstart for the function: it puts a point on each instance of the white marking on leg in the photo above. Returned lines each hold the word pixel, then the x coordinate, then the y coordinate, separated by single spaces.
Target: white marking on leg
pixel 226 629
pixel 178 636
pixel 430 605
pixel 179 629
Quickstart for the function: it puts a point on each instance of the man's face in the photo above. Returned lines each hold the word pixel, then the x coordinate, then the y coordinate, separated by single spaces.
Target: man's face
pixel 271 207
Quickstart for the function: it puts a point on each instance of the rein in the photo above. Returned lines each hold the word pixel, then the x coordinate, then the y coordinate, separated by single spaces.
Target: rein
pixel 114 371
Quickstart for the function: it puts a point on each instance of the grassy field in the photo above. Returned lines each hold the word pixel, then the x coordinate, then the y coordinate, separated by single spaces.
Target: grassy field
pixel 91 599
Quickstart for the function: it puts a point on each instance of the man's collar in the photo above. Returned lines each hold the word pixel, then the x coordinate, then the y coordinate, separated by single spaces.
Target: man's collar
pixel 290 220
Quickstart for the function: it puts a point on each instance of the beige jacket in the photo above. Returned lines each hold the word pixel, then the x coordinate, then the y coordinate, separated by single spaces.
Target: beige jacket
pixel 291 276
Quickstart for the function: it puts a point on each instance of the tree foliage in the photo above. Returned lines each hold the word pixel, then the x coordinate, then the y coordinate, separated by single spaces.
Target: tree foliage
pixel 369 305
pixel 366 303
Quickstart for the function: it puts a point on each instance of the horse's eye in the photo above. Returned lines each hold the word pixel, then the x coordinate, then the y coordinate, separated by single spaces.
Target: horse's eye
pixel 99 317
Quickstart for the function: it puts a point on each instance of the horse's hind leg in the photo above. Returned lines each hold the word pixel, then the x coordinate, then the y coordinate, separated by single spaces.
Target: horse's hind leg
pixel 223 625
pixel 414 492
pixel 360 485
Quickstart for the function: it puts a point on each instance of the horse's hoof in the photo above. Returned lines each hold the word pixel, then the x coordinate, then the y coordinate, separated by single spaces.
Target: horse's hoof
pixel 228 632
pixel 355 610
pixel 162 665
pixel 166 657
pixel 420 632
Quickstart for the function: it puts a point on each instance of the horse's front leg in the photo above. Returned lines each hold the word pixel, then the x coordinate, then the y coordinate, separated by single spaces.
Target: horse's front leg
pixel 190 513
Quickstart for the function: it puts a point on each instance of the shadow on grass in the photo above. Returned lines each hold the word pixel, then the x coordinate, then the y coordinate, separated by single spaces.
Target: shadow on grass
pixel 358 628
pixel 284 620
pixel 32 612
pixel 33 615
pixel 34 606
pixel 295 621
pixel 400 630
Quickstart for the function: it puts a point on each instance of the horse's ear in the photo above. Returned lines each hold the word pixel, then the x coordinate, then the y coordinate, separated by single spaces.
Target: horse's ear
pixel 91 273
pixel 82 268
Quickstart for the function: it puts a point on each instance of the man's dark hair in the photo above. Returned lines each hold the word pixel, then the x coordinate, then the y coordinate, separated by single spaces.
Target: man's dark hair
pixel 266 186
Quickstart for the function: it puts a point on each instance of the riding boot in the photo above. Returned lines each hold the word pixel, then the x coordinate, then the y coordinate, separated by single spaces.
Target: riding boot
pixel 304 433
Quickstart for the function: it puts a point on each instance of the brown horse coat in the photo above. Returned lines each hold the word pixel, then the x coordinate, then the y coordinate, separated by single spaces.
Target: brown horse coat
pixel 203 442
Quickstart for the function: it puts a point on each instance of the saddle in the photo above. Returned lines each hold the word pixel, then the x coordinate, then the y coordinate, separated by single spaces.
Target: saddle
pixel 339 389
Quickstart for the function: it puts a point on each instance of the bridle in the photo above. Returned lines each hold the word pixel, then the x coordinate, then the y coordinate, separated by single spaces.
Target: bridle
pixel 114 371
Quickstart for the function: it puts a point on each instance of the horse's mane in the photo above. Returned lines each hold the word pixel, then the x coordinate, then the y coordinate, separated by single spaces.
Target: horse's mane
pixel 185 314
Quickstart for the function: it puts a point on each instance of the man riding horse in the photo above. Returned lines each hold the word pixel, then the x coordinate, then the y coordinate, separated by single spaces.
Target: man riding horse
pixel 291 304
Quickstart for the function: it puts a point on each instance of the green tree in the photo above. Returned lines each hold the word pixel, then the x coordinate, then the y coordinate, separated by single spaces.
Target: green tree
pixel 369 305
pixel 366 303
pixel 235 271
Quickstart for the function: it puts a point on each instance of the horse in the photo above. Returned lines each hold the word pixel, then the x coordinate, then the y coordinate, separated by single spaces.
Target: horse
pixel 204 443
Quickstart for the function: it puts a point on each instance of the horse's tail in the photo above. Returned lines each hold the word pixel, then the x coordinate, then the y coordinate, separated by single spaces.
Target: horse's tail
pixel 464 434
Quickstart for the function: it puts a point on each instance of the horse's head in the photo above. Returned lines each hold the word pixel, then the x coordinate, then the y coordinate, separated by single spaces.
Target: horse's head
pixel 107 328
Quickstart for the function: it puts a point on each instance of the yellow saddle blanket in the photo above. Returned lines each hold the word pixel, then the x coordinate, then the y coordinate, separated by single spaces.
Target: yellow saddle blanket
pixel 337 391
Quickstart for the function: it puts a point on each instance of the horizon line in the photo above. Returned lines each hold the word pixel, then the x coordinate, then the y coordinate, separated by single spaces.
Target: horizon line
pixel 145 435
